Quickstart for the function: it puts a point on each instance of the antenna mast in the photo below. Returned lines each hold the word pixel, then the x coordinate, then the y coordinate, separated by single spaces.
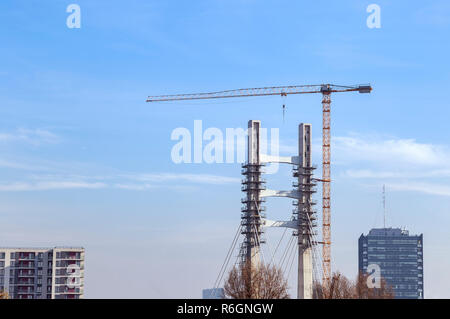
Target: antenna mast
pixel 384 206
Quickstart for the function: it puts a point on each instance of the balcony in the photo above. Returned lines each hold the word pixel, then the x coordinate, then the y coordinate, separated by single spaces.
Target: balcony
pixel 25 291
pixel 25 283
pixel 26 274
pixel 62 272
pixel 67 263
pixel 70 258
pixel 25 265
pixel 67 290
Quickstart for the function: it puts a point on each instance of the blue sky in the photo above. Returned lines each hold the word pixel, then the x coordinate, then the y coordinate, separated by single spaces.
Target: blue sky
pixel 85 161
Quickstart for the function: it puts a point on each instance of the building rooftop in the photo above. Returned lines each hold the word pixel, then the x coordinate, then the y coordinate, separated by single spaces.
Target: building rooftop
pixel 390 232
pixel 41 248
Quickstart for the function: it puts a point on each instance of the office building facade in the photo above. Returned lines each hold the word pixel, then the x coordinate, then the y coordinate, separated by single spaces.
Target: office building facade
pixel 42 273
pixel 399 258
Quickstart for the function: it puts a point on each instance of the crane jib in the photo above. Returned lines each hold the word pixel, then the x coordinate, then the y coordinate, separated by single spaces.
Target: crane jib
pixel 265 91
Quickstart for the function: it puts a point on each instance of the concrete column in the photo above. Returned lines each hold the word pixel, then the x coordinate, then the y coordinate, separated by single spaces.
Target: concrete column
pixel 305 212
pixel 253 193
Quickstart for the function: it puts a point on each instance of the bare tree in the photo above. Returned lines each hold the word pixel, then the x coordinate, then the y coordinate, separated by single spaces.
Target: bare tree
pixel 340 287
pixel 257 282
pixel 4 294
pixel 362 290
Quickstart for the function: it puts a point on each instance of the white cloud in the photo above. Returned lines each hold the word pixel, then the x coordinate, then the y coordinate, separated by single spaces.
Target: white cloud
pixel 135 187
pixel 193 178
pixel 16 165
pixel 367 173
pixel 137 182
pixel 49 185
pixel 427 188
pixel 35 137
pixel 404 164
pixel 376 149
pixel 390 151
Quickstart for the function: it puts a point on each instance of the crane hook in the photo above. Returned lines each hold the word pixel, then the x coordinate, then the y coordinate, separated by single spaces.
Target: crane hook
pixel 283 96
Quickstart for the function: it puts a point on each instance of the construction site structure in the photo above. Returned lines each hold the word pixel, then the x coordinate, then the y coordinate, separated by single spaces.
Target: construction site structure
pixel 326 90
pixel 305 213
pixel 252 185
pixel 253 213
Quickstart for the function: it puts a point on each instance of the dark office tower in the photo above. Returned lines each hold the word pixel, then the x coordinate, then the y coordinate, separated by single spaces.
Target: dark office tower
pixel 399 257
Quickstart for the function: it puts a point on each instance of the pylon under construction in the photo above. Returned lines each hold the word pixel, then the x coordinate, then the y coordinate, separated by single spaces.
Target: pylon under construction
pixel 305 213
pixel 326 90
pixel 252 185
pixel 253 216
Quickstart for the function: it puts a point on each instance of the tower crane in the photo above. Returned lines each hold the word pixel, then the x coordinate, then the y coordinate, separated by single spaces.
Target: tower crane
pixel 326 90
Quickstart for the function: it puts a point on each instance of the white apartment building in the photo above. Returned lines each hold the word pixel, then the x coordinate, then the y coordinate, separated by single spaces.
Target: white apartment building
pixel 42 273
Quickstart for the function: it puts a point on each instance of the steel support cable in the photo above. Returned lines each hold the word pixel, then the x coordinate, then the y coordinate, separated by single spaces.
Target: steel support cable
pixel 318 254
pixel 314 260
pixel 315 254
pixel 278 245
pixel 292 262
pixel 283 256
pixel 238 256
pixel 316 273
pixel 310 227
pixel 226 266
pixel 228 257
pixel 286 265
pixel 292 250
pixel 286 251
pixel 258 241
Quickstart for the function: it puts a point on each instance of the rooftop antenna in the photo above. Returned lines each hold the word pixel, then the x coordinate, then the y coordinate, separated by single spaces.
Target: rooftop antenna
pixel 384 206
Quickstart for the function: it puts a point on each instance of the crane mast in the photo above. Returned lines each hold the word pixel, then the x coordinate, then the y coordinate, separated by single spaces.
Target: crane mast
pixel 325 90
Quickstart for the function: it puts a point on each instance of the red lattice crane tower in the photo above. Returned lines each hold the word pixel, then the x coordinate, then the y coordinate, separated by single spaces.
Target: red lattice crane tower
pixel 325 90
